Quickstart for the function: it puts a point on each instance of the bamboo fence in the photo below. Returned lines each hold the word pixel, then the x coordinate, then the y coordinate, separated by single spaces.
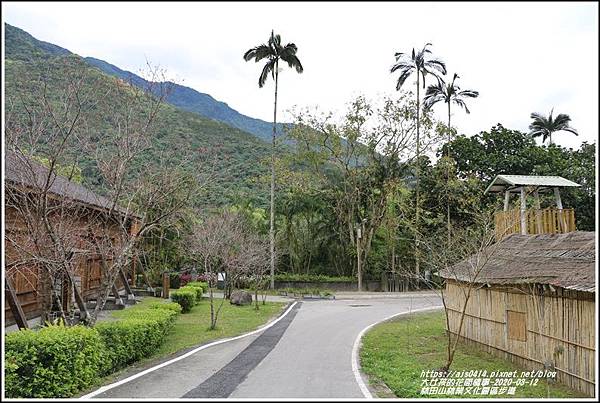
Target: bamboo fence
pixel 558 329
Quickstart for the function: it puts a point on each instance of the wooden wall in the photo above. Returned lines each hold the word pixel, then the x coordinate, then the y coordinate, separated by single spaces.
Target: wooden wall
pixel 25 279
pixel 559 327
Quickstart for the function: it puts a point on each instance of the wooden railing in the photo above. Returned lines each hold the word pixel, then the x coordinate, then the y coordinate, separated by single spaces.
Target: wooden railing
pixel 544 221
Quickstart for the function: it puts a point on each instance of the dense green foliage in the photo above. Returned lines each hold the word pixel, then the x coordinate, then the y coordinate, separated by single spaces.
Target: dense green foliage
pixel 481 157
pixel 137 333
pixel 316 209
pixel 56 361
pixel 186 297
pixel 396 352
pixel 198 284
pixel 180 137
pixel 188 99
pixel 59 361
pixel 197 289
pixel 313 278
pixel 309 228
pixel 22 46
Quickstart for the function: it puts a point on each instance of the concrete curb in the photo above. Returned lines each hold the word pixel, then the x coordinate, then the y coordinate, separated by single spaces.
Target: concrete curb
pixel 358 341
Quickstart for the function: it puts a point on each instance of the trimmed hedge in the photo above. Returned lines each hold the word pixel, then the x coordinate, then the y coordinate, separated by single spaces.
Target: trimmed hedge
pixel 186 297
pixel 202 284
pixel 59 361
pixel 56 361
pixel 173 306
pixel 198 291
pixel 137 335
pixel 313 278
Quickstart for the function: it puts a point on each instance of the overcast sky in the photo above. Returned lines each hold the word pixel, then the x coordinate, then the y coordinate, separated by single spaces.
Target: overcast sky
pixel 522 58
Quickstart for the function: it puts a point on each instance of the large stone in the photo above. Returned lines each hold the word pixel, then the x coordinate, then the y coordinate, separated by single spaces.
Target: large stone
pixel 240 298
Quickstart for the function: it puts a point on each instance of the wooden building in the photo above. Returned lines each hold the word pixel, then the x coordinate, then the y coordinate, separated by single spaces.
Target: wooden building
pixel 533 303
pixel 24 179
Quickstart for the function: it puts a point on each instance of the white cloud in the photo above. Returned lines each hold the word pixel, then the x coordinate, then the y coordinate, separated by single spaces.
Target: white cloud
pixel 521 57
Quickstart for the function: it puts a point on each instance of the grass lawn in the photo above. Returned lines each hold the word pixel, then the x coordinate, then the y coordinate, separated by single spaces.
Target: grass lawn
pixel 396 352
pixel 192 328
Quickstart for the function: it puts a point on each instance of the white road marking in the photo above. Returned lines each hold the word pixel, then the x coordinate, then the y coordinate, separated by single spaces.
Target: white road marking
pixel 355 361
pixel 194 351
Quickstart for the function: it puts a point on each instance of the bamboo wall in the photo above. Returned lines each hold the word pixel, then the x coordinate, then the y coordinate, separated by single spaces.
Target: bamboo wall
pixel 566 322
pixel 543 221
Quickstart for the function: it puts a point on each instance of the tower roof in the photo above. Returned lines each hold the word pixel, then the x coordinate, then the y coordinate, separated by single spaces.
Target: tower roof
pixel 513 183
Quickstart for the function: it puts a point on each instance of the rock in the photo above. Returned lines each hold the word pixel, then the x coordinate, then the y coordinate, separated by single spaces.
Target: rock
pixel 240 298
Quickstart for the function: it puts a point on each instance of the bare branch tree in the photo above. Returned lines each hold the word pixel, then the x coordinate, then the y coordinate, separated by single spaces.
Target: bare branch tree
pixel 462 261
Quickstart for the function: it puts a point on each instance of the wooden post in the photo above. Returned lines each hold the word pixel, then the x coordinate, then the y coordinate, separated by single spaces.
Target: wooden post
pixel 523 212
pixel 506 199
pixel 562 228
pixel 358 268
pixel 126 285
pixel 15 306
pixel 165 293
pixel 538 211
pixel 83 312
pixel 115 292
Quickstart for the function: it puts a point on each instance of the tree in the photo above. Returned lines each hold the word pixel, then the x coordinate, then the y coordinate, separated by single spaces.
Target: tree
pixel 357 161
pixel 55 114
pixel 226 242
pixel 273 51
pixel 421 64
pixel 545 126
pixel 464 262
pixel 448 93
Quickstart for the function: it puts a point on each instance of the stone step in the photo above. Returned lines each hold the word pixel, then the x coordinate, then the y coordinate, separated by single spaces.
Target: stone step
pixel 141 292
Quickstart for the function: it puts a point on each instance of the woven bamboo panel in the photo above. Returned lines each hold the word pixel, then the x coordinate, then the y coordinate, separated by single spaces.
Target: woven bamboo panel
pixel 544 221
pixel 559 326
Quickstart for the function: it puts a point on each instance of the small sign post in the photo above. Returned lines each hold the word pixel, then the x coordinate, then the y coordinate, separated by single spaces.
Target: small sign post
pixel 165 285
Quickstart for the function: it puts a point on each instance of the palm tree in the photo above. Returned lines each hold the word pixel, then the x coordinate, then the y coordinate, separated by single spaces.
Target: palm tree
pixel 449 93
pixel 273 52
pixel 421 63
pixel 545 126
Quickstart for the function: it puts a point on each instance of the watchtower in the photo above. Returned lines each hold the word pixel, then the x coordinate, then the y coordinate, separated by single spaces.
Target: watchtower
pixel 523 220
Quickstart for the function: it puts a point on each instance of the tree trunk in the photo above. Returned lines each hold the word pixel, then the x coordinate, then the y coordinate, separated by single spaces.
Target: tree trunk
pixel 417 174
pixel 452 351
pixel 272 220
pixel 448 175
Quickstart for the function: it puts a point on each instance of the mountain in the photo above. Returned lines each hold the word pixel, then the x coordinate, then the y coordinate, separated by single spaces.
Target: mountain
pixel 20 45
pixel 181 96
pixel 179 133
pixel 191 100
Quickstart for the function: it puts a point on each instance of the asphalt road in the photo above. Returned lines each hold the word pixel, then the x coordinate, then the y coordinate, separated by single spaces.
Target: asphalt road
pixel 307 354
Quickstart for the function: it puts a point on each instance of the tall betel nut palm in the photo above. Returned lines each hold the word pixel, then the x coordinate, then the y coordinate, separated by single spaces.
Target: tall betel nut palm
pixel 422 64
pixel 545 126
pixel 449 93
pixel 273 52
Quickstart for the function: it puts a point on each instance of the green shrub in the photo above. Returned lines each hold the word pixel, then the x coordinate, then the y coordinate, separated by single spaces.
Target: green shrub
pixel 313 278
pixel 197 291
pixel 200 284
pixel 173 306
pixel 56 361
pixel 137 334
pixel 186 297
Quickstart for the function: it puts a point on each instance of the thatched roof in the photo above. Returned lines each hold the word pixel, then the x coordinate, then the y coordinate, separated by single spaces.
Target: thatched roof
pixel 21 170
pixel 561 260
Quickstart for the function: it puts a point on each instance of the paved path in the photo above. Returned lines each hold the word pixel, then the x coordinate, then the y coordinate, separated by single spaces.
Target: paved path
pixel 307 354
